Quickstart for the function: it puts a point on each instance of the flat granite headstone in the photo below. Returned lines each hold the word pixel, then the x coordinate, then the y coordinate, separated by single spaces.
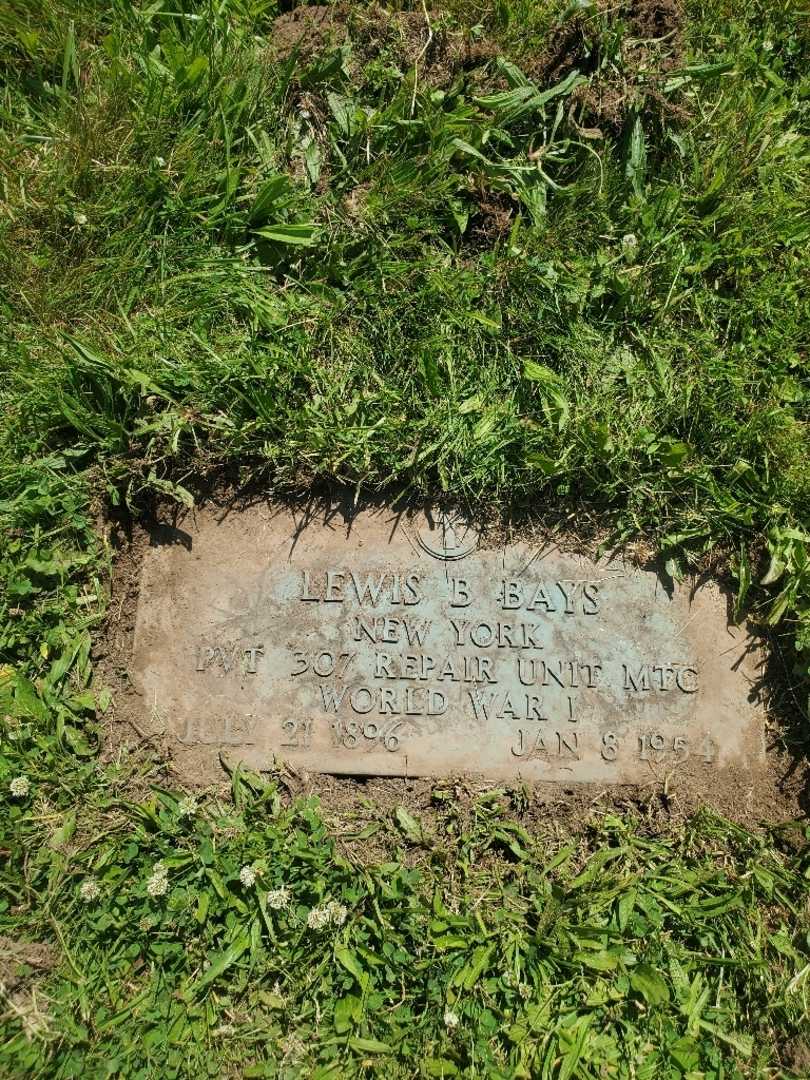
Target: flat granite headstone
pixel 400 645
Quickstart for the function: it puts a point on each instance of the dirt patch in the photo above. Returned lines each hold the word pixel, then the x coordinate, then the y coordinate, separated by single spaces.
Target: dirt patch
pixel 491 221
pixel 777 791
pixel 574 46
pixel 651 47
pixel 437 51
pixel 362 813
pixel 652 41
pixel 124 732
pixel 23 965
pixel 408 39
pixel 308 31
pixel 355 202
pixel 796 1057
pixel 23 961
pixel 660 20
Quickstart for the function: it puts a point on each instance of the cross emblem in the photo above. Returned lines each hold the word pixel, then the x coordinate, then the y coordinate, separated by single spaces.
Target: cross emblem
pixel 448 536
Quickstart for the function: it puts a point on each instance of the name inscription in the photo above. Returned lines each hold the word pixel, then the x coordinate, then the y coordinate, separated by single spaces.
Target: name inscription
pixel 371 654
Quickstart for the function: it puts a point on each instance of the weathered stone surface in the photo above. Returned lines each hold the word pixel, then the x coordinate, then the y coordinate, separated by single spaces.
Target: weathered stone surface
pixel 393 645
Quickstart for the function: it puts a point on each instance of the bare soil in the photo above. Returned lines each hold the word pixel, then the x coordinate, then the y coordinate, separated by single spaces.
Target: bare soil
pixel 309 31
pixel 22 961
pixel 24 965
pixel 659 20
pixel 407 38
pixel 796 1056
pixel 652 46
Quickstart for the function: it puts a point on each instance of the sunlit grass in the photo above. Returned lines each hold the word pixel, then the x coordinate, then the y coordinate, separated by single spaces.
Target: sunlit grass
pixel 521 253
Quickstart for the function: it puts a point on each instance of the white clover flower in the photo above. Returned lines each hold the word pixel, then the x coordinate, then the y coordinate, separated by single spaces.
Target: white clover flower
pixel 629 245
pixel 89 890
pixel 158 883
pixel 318 918
pixel 451 1019
pixel 80 219
pixel 247 875
pixel 19 787
pixel 337 913
pixel 277 899
pixel 187 807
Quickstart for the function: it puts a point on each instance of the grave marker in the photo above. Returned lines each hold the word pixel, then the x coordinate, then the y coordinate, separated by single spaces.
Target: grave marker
pixel 403 646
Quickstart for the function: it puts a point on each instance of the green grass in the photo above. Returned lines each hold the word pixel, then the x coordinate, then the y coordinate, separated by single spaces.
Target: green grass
pixel 615 954
pixel 470 268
